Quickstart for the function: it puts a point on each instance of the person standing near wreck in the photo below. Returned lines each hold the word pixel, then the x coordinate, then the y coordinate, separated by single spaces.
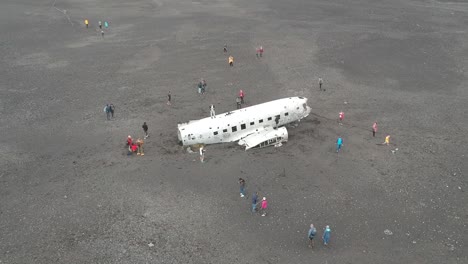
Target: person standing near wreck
pixel 202 154
pixel 212 111
pixel 238 102
pixel 241 95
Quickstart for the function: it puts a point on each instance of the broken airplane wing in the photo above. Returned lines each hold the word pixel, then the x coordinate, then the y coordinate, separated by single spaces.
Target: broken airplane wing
pixel 265 137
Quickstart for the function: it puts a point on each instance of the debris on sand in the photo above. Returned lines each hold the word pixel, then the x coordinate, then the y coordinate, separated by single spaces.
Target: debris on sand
pixel 150 245
pixel 388 232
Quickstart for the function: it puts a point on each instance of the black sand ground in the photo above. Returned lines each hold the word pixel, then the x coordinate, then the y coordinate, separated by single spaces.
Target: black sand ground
pixel 69 194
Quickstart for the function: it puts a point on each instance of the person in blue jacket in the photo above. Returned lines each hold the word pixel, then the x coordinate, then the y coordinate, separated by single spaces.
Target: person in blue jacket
pixel 339 144
pixel 326 235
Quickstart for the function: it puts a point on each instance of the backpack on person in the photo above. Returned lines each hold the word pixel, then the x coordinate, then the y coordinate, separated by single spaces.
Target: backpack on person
pixel 312 233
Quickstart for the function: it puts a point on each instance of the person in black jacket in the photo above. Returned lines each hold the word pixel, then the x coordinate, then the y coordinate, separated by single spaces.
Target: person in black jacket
pixel 145 129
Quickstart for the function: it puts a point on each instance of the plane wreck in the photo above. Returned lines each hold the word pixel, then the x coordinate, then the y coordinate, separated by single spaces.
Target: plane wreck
pixel 255 126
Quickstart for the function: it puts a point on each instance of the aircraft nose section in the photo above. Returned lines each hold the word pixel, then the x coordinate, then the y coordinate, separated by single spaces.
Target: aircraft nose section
pixel 306 108
pixel 307 111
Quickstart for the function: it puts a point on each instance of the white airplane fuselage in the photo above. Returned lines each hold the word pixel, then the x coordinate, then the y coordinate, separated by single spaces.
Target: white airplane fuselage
pixel 235 125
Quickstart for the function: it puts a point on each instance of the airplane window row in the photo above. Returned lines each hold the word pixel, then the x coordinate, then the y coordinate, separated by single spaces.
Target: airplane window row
pixel 243 126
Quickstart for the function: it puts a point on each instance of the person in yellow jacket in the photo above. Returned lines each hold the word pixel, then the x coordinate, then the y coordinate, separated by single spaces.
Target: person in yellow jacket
pixel 140 143
pixel 231 60
pixel 86 22
pixel 387 140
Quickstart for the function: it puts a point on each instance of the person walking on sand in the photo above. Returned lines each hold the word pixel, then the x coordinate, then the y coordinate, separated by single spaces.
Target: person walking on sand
pixel 102 33
pixel 112 109
pixel 200 87
pixel 339 144
pixel 242 187
pixel 264 206
pixel 169 97
pixel 311 235
pixel 86 22
pixel 374 129
pixel 231 61
pixel 341 117
pixel 202 154
pixel 320 81
pixel 203 86
pixel 107 111
pixel 254 202
pixel 261 51
pixel 326 235
pixel 212 111
pixel 225 48
pixel 145 129
pixel 100 24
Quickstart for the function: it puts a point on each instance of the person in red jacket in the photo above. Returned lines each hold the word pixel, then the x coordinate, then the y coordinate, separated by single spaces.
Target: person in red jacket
pixel 129 141
pixel 241 95
pixel 134 147
pixel 341 116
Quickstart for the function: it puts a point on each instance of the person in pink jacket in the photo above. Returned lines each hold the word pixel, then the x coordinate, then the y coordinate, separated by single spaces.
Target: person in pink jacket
pixel 374 129
pixel 241 95
pixel 264 206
